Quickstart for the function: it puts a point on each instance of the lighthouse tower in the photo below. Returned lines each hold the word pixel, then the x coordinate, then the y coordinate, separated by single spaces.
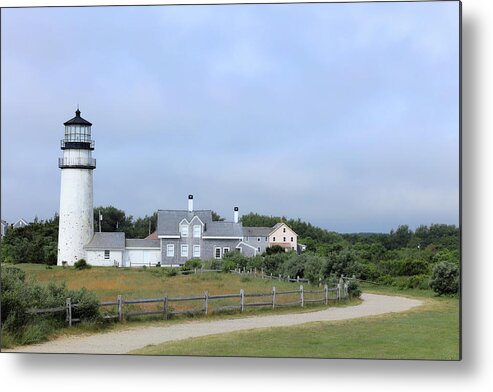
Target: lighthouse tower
pixel 76 226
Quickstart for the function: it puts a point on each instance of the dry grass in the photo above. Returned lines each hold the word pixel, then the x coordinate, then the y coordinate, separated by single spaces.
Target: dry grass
pixel 109 282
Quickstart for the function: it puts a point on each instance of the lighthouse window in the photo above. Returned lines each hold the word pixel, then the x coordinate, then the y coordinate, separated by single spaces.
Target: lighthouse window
pixel 106 254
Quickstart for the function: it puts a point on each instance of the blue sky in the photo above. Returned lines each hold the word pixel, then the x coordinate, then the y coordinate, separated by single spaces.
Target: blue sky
pixel 344 115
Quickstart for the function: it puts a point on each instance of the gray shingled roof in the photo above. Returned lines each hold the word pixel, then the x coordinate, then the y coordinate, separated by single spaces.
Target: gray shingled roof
pixel 256 231
pixel 168 221
pixel 138 243
pixel 115 241
pixel 224 229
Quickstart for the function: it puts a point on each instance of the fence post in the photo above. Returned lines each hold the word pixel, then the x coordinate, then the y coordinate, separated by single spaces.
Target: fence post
pixel 68 309
pixel 326 294
pixel 298 279
pixel 165 307
pixel 339 287
pixel 206 299
pixel 279 277
pixel 302 296
pixel 273 297
pixel 262 272
pixel 255 271
pixel 289 278
pixel 119 299
pixel 242 299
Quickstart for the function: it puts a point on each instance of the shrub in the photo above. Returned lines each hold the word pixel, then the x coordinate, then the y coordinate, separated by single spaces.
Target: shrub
pixel 386 280
pixel 213 264
pixel 417 282
pixel 239 260
pixel 313 267
pixel 87 304
pixel 255 262
pixel 344 263
pixel 354 290
pixel 192 264
pixel 273 263
pixel 171 271
pixel 445 278
pixel 81 264
pixel 274 249
pixel 295 266
pixel 369 271
pixel 19 295
pixel 406 267
pixel 228 265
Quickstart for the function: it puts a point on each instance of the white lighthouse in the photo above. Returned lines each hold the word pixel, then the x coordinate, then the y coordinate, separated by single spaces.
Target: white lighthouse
pixel 76 227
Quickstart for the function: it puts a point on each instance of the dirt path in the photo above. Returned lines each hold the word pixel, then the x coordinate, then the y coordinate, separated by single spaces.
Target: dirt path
pixel 124 341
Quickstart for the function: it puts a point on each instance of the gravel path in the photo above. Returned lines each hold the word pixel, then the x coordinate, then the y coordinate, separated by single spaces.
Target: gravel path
pixel 124 341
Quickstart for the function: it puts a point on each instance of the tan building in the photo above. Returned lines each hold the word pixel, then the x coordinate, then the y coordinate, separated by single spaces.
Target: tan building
pixel 284 236
pixel 260 238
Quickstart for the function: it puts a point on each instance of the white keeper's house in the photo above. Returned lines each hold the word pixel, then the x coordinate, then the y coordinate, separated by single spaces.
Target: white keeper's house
pixel 180 235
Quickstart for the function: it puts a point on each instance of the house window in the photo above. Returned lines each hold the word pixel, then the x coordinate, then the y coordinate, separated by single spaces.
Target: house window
pixel 258 239
pixel 266 238
pixel 197 231
pixel 273 239
pixel 217 253
pixel 258 248
pixel 291 239
pixel 283 239
pixel 184 230
pixel 106 254
pixel 283 229
pixel 225 250
pixel 170 250
pixel 196 251
pixel 184 251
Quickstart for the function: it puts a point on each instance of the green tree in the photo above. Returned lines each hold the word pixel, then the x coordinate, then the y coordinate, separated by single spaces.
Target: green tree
pixel 216 217
pixel 445 278
pixel 113 219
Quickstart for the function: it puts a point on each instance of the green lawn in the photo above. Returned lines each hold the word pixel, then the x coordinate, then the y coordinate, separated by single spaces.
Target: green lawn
pixel 428 332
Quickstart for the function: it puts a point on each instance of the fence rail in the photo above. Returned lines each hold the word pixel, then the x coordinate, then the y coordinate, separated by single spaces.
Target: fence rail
pixel 121 313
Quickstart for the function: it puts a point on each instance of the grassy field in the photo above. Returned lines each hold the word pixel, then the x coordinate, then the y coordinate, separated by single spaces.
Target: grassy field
pixel 428 332
pixel 108 282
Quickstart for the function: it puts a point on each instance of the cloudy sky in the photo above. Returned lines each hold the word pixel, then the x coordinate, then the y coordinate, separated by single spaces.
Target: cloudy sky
pixel 344 115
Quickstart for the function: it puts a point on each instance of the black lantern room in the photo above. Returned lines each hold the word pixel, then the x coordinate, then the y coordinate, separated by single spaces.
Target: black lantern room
pixel 77 134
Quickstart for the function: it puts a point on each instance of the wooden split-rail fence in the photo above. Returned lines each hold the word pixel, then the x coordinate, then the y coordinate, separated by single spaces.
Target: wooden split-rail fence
pixel 326 295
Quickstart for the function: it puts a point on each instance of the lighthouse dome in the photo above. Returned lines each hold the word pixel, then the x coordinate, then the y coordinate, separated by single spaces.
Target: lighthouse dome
pixel 77 120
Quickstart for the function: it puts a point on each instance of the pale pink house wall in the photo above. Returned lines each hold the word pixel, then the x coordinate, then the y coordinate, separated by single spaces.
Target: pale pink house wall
pixel 282 236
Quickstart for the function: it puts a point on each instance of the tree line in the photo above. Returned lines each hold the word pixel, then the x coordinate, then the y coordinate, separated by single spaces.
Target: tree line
pixel 402 257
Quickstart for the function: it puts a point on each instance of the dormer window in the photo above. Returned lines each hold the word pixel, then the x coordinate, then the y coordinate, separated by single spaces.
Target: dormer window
pixel 197 231
pixel 184 230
